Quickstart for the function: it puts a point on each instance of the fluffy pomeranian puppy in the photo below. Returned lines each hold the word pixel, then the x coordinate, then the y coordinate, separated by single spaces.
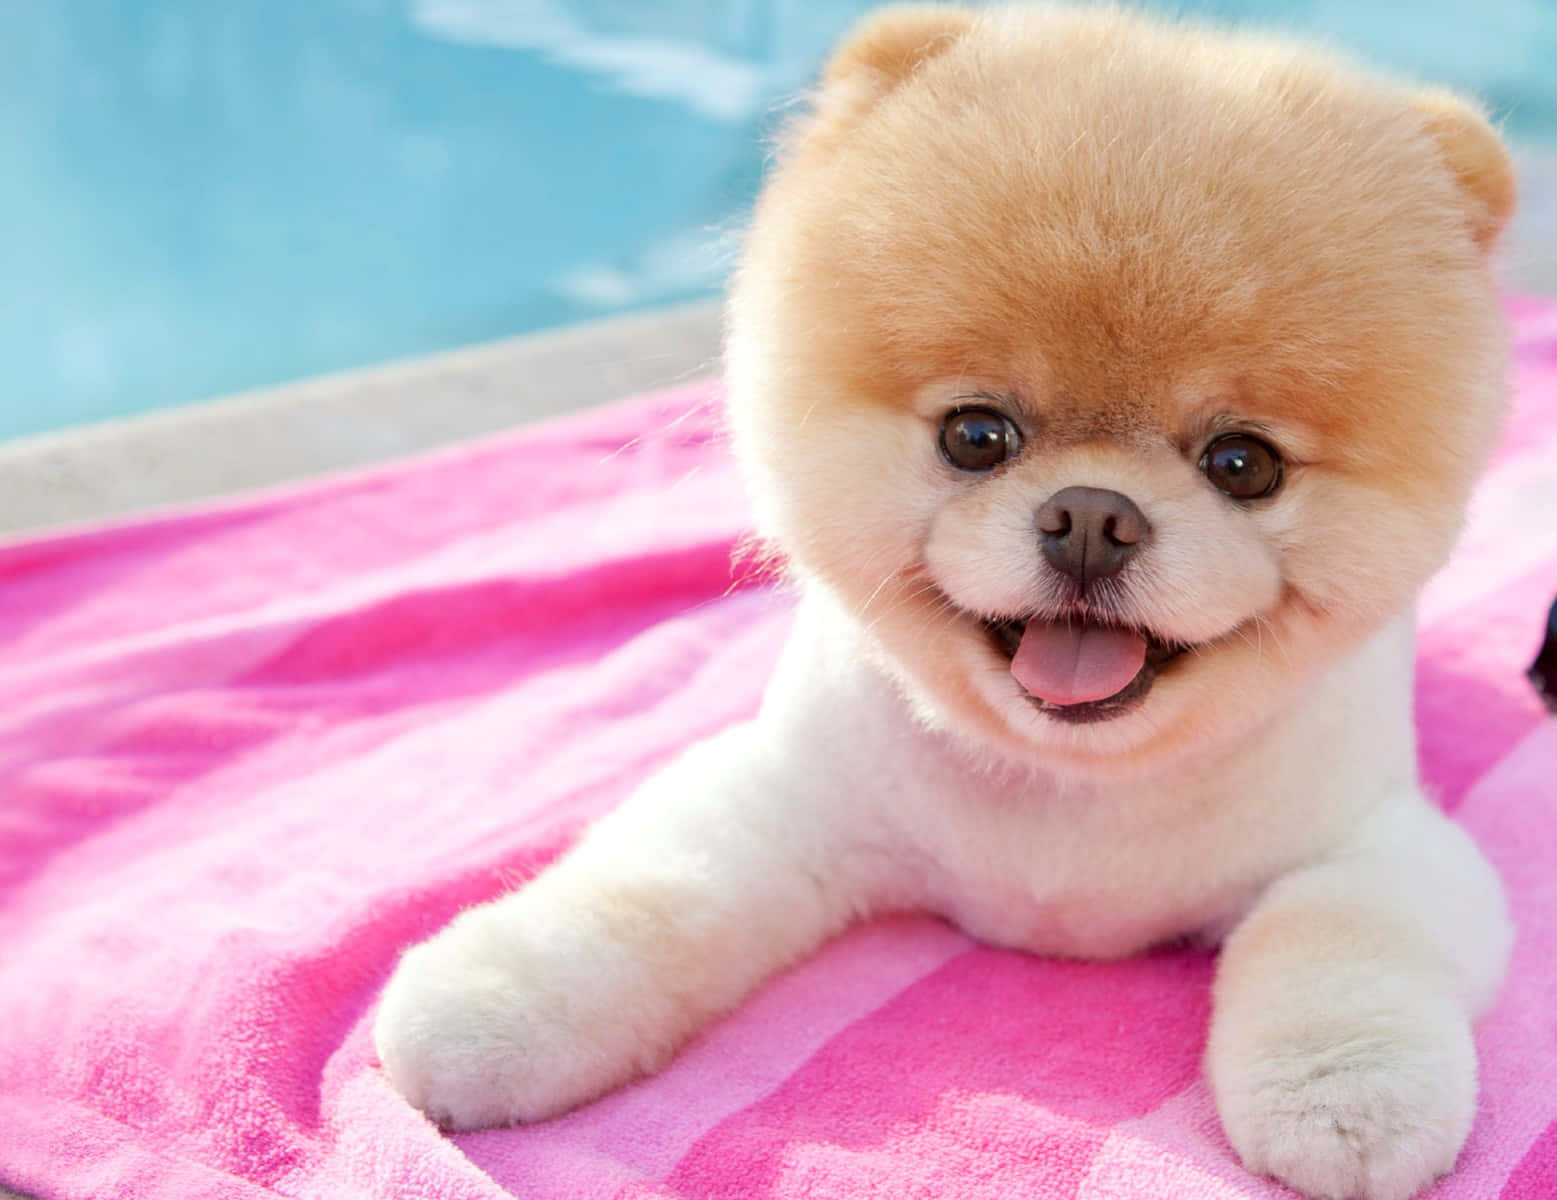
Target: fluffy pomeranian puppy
pixel 1110 387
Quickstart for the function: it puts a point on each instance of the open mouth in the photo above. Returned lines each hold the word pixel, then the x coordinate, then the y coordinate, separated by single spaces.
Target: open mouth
pixel 1078 669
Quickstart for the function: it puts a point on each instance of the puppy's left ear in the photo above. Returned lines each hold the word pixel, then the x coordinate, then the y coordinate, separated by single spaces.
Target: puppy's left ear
pixel 1476 155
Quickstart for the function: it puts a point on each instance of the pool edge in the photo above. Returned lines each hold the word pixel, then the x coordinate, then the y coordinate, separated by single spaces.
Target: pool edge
pixel 346 419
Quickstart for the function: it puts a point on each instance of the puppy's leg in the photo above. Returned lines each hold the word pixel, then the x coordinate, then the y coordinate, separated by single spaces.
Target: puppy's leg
pixel 668 912
pixel 1340 1049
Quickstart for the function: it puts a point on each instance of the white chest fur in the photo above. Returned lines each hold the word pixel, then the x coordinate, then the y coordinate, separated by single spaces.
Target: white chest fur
pixel 1081 866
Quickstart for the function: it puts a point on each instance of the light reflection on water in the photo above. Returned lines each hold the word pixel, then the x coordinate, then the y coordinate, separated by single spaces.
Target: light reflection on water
pixel 205 197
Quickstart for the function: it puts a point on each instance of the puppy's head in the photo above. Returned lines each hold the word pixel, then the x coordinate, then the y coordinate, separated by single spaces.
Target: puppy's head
pixel 1116 375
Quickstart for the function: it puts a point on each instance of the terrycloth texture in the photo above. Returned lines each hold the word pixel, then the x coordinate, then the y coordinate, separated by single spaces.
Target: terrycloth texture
pixel 248 754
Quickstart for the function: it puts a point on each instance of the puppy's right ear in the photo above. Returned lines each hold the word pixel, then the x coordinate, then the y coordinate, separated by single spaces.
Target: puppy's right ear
pixel 891 42
pixel 880 53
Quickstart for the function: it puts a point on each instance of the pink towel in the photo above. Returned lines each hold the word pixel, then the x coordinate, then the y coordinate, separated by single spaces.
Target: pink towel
pixel 248 754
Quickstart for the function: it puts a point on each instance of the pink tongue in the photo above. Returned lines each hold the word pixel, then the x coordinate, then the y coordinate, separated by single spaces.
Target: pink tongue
pixel 1074 663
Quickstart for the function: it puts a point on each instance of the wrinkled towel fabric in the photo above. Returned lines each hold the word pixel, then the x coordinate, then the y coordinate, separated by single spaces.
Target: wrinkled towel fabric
pixel 249 753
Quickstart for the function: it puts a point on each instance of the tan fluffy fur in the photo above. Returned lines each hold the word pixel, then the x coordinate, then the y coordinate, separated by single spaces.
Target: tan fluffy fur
pixel 1142 231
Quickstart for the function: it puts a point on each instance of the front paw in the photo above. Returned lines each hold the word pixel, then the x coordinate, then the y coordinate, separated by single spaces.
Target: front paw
pixel 1364 1101
pixel 480 1027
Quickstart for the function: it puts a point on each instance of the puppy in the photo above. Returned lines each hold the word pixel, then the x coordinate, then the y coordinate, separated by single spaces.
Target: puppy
pixel 1110 387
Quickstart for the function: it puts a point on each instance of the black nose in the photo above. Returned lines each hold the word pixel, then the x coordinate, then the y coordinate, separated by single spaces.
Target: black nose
pixel 1090 533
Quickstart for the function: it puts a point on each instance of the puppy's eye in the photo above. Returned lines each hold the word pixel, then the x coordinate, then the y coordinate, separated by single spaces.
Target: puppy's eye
pixel 1243 466
pixel 978 439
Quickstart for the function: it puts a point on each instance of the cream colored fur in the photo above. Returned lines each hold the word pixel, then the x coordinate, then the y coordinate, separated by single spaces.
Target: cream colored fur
pixel 1134 236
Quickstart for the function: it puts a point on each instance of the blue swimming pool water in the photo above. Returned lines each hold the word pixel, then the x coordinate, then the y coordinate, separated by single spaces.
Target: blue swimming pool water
pixel 199 197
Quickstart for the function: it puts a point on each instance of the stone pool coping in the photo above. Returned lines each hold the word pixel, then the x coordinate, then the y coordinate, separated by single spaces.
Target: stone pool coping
pixel 346 419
